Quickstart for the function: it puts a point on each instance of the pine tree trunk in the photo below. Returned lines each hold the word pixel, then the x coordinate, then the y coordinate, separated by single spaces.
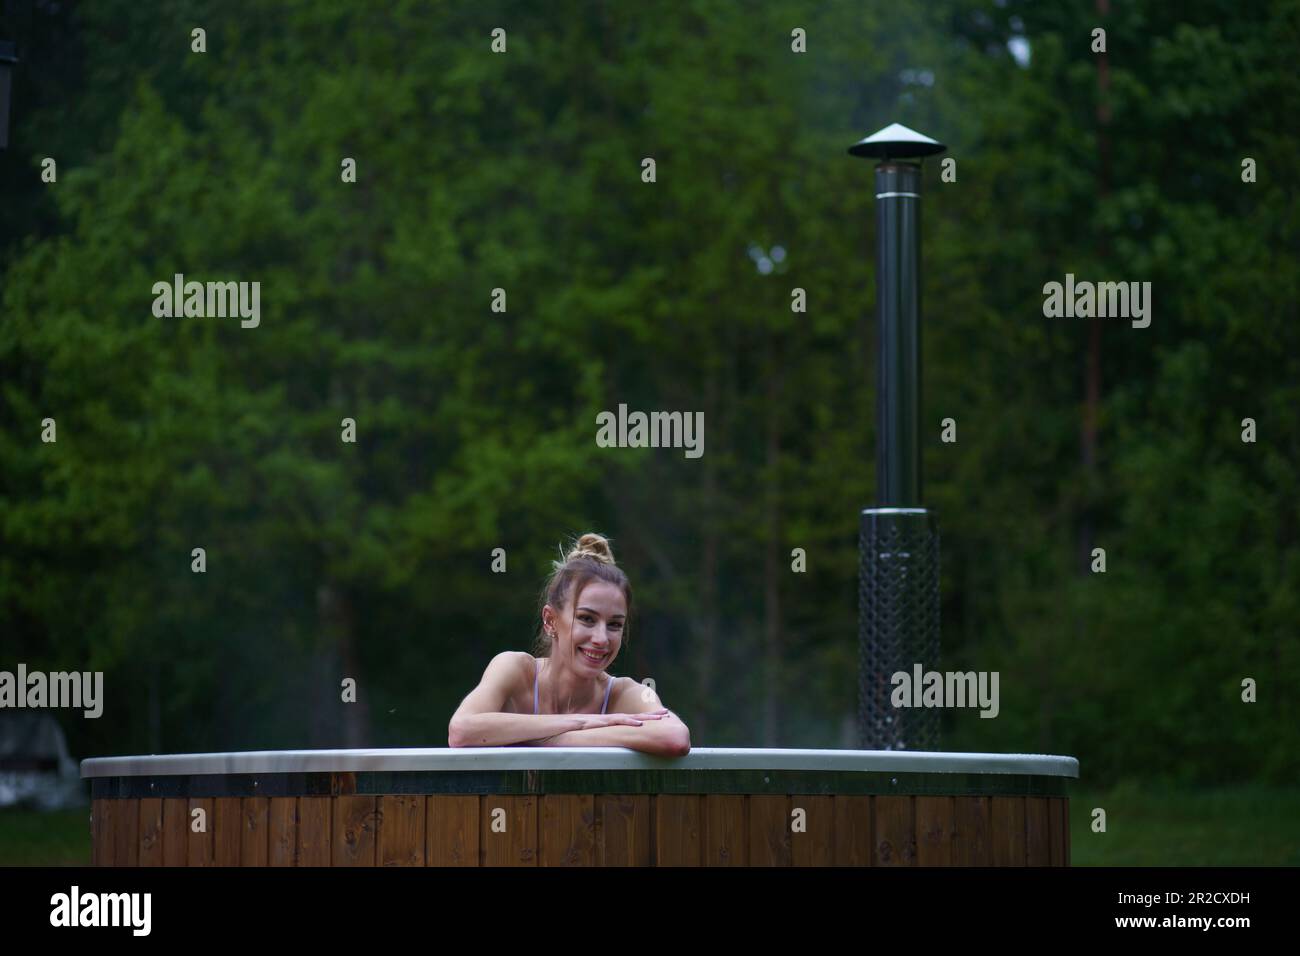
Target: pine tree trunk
pixel 1092 375
pixel 708 650
pixel 339 631
pixel 772 561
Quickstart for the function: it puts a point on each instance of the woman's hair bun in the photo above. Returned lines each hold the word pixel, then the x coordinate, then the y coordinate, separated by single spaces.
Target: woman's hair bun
pixel 593 546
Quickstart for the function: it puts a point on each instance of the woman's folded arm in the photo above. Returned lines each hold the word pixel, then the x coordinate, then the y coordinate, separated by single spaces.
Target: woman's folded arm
pixel 504 730
pixel 666 737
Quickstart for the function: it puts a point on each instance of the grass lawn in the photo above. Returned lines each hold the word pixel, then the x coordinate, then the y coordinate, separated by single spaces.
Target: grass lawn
pixel 1146 825
pixel 1154 825
pixel 32 838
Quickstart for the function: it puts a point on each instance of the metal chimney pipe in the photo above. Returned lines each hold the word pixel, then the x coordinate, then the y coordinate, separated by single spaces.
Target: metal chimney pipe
pixel 898 573
pixel 898 316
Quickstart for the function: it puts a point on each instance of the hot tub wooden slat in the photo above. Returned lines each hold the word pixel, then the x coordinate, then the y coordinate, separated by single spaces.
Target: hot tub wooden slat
pixel 198 844
pixel 253 837
pixel 1055 838
pixel 126 848
pixel 1008 831
pixel 452 831
pixel 624 821
pixel 314 831
pixel 401 830
pixel 769 830
pixel 934 831
pixel 353 841
pixel 567 830
pixel 108 830
pixel 1037 850
pixel 895 831
pixel 816 845
pixel 282 835
pixel 971 822
pixel 517 846
pixel 677 829
pixel 103 831
pixel 175 827
pixel 226 831
pixel 151 832
pixel 854 845
pixel 725 838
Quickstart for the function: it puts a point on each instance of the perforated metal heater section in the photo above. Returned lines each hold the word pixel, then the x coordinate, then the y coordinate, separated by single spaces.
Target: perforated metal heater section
pixel 898 624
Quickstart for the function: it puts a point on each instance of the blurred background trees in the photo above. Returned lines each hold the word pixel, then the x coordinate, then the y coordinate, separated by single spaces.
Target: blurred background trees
pixel 475 429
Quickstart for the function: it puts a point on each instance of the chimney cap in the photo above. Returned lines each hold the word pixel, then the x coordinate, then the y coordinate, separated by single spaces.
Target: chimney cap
pixel 896 141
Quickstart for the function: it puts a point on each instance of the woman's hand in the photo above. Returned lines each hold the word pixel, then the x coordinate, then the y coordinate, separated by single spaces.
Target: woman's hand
pixel 612 720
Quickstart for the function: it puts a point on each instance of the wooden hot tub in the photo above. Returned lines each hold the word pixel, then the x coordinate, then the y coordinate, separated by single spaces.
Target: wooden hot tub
pixel 583 806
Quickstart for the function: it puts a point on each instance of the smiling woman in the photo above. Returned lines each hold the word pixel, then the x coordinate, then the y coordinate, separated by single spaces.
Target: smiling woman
pixel 563 695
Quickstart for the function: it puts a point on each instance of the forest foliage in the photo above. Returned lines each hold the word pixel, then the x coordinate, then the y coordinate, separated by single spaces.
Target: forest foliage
pixel 522 171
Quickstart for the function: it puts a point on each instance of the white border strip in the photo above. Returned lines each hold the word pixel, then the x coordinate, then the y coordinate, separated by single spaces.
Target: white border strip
pixel 575 758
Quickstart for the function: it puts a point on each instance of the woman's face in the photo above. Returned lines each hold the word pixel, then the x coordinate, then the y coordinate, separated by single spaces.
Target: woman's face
pixel 590 632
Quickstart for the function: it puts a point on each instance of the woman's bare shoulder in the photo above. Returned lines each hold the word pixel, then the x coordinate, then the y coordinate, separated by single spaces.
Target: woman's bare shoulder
pixel 517 669
pixel 523 662
pixel 625 696
pixel 514 659
pixel 510 670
